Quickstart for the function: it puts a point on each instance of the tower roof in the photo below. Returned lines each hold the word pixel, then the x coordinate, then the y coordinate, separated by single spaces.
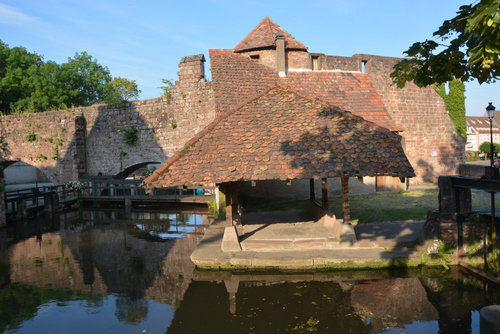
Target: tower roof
pixel 264 36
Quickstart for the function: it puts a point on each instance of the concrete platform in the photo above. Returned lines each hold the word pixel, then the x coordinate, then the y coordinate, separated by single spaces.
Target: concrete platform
pixel 289 240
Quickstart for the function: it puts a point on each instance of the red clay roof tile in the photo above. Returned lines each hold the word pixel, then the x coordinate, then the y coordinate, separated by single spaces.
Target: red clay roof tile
pixel 264 36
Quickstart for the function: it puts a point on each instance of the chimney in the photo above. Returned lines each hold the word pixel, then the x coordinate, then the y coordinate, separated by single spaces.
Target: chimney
pixel 280 54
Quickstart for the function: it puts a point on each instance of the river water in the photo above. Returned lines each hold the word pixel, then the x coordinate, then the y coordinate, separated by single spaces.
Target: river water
pixel 105 271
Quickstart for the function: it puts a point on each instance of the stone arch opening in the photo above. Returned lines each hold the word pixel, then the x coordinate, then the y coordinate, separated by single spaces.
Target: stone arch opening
pixel 17 173
pixel 132 168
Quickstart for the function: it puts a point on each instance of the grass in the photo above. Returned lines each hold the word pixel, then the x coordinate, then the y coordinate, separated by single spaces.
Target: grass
pixel 381 207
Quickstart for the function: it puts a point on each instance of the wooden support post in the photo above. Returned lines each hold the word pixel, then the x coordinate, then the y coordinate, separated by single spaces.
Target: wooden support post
pixel 324 193
pixel 460 226
pixel 230 240
pixel 234 204
pixel 229 208
pixel 346 209
pixel 311 190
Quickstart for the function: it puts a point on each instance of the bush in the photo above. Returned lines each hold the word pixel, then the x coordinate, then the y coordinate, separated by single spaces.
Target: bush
pixel 472 156
pixel 130 136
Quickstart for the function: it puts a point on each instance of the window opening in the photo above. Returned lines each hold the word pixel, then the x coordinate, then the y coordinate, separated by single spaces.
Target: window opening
pixel 363 66
pixel 315 63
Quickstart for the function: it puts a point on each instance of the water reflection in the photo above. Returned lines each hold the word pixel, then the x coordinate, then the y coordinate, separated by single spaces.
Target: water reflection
pixel 109 271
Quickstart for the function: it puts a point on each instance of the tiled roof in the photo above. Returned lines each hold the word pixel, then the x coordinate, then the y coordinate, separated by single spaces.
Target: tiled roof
pixel 282 134
pixel 264 36
pixel 349 91
pixel 237 78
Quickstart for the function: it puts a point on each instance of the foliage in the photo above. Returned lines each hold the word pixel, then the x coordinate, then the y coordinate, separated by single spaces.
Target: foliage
pixel 88 79
pixel 14 65
pixel 30 137
pixel 167 89
pixel 148 172
pixel 120 90
pixel 471 155
pixel 28 84
pixel 130 136
pixel 74 186
pixel 78 204
pixel 444 252
pixel 496 162
pixel 20 302
pixel 173 125
pixel 485 147
pixel 471 51
pixel 212 208
pixel 455 104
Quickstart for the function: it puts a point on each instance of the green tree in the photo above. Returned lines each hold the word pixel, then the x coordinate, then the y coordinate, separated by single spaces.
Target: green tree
pixel 14 66
pixel 87 79
pixel 486 147
pixel 120 90
pixel 471 51
pixel 47 88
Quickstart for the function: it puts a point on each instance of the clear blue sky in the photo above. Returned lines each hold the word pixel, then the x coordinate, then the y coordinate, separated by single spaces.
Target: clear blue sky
pixel 145 40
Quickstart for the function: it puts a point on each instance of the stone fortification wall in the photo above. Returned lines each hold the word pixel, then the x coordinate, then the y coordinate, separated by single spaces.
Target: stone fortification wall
pixel 294 59
pixel 51 141
pixel 432 143
pixel 340 63
pixel 90 140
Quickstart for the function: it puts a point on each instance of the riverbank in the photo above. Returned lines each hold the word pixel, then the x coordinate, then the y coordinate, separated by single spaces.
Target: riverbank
pixel 305 246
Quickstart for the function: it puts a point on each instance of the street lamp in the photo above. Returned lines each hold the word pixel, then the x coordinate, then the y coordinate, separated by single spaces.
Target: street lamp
pixel 491 113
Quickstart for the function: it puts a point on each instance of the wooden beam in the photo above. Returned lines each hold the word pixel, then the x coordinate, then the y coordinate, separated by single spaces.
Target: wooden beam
pixel 311 189
pixel 346 209
pixel 324 193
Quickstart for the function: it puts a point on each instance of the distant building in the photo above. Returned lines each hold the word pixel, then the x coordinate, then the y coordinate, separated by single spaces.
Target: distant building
pixel 478 132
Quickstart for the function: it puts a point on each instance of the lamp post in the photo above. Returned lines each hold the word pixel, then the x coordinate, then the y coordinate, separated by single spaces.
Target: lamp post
pixel 491 113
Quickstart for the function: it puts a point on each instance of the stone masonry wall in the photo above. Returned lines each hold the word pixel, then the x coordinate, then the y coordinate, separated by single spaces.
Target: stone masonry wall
pixel 91 138
pixel 432 144
pixel 298 60
pixel 294 59
pixel 48 141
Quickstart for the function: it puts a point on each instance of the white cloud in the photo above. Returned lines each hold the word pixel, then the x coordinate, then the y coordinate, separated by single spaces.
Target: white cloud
pixel 13 16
